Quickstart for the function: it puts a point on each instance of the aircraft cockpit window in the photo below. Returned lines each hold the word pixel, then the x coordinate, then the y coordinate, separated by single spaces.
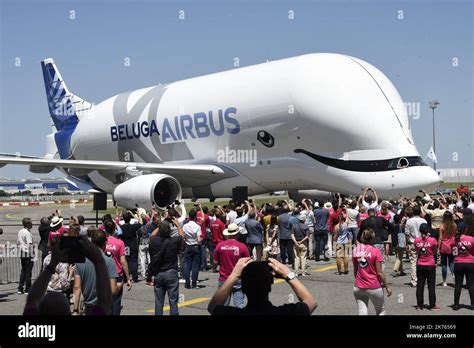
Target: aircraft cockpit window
pixel 402 163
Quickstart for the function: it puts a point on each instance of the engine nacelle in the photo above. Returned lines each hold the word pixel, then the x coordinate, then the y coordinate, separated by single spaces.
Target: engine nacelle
pixel 144 190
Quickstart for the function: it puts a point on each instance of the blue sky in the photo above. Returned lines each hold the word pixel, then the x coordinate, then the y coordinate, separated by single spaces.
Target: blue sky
pixel 415 52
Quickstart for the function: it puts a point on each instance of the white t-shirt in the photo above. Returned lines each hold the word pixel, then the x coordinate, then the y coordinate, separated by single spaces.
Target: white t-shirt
pixel 352 215
pixel 191 233
pixel 24 240
pixel 471 206
pixel 132 222
pixel 231 216
pixel 240 221
pixel 368 206
pixel 412 227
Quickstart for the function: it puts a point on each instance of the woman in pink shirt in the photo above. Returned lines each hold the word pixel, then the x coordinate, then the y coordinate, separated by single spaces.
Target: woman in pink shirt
pixel 426 248
pixel 369 276
pixel 446 239
pixel 463 251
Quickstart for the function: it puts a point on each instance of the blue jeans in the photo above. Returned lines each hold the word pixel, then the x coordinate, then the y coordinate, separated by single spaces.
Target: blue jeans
pixel 354 231
pixel 212 248
pixel 236 293
pixel 321 242
pixel 117 299
pixel 192 259
pixel 446 260
pixel 25 275
pixel 202 254
pixel 166 283
pixel 132 260
pixel 286 250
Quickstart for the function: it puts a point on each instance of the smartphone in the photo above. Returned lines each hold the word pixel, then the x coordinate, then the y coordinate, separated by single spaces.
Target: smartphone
pixel 70 250
pixel 270 270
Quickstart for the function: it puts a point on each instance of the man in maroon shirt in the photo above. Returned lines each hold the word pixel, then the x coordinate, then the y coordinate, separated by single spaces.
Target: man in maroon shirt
pixel 226 255
pixel 204 221
pixel 217 229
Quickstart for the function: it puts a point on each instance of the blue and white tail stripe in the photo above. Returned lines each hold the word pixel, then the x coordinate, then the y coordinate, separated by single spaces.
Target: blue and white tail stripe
pixel 60 104
pixel 65 108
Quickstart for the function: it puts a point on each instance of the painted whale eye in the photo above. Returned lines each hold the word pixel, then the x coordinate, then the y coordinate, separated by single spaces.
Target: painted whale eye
pixel 363 263
pixel 266 138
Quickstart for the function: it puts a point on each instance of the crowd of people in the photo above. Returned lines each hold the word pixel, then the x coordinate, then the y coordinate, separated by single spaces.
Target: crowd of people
pixel 249 245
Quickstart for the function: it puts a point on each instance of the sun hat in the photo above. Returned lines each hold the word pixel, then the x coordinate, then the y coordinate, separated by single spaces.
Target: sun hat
pixel 231 230
pixel 56 221
pixel 328 205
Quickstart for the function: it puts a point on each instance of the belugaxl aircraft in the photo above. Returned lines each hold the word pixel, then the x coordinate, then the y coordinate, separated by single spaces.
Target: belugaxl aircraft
pixel 316 122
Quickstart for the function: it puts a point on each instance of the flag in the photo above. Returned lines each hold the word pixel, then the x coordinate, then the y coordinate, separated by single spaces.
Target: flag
pixel 431 155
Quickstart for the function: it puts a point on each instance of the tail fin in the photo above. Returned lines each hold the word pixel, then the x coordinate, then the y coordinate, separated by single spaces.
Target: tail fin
pixel 65 108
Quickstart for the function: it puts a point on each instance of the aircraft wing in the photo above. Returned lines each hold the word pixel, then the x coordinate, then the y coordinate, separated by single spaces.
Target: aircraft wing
pixel 187 174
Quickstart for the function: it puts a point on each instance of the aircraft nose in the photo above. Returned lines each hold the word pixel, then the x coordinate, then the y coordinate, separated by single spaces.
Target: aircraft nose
pixel 428 179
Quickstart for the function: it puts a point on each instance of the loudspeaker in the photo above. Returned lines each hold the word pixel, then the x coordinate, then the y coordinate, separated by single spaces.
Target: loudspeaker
pixel 100 201
pixel 239 194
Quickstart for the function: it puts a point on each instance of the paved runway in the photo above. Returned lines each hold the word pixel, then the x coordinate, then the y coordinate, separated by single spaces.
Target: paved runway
pixel 333 292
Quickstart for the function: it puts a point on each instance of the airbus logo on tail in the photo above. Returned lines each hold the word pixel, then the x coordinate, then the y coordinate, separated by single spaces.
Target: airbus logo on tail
pixel 183 127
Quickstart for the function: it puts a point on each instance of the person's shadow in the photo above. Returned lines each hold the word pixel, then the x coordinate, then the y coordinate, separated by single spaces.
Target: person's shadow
pixel 4 297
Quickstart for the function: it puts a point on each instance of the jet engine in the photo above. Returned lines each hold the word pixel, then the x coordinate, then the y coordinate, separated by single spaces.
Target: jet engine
pixel 144 190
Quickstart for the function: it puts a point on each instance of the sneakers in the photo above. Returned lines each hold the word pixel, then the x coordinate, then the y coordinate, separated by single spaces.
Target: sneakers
pixel 182 281
pixel 197 287
pixel 419 308
pixel 402 274
pixel 149 283
pixel 456 307
pixel 20 292
pixel 435 308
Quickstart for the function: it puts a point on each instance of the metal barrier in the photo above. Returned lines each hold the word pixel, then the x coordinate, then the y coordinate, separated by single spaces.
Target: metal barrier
pixel 10 264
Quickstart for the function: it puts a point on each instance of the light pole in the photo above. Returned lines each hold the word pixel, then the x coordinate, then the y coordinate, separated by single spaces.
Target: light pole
pixel 433 105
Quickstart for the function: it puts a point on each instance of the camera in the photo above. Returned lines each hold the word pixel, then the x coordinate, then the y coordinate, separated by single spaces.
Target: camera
pixel 70 250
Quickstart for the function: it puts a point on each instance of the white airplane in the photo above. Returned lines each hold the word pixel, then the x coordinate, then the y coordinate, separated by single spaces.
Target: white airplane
pixel 314 122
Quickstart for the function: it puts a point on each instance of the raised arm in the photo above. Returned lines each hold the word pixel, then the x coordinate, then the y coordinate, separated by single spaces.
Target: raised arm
pixel 375 195
pixel 40 285
pixel 365 194
pixel 178 226
pixel 103 288
pixel 223 292
pixel 300 290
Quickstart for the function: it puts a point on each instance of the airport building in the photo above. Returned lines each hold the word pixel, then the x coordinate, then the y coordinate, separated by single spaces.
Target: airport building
pixel 456 175
pixel 36 186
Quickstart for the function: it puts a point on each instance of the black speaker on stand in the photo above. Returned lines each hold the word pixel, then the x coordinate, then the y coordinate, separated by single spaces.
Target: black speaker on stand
pixel 100 203
pixel 240 194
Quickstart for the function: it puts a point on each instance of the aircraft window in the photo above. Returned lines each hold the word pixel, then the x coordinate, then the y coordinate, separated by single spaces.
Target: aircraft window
pixel 266 138
pixel 402 163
